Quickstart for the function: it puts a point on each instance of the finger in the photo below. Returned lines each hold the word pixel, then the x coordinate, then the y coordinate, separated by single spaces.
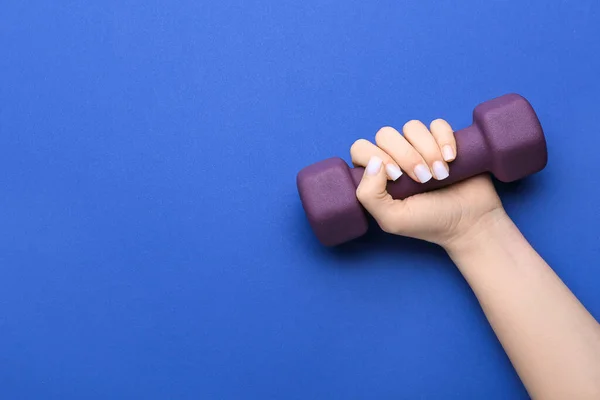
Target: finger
pixel 444 136
pixel 372 194
pixel 361 152
pixel 405 155
pixel 421 139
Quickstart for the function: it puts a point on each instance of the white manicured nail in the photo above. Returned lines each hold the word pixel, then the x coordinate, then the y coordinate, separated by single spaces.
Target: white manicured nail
pixel 440 171
pixel 393 171
pixel 422 172
pixel 448 152
pixel 374 165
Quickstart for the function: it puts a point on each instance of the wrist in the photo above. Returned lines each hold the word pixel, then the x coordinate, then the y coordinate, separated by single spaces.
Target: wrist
pixel 491 226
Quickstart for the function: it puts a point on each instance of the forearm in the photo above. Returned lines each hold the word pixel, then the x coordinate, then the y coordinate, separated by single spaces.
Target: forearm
pixel 550 338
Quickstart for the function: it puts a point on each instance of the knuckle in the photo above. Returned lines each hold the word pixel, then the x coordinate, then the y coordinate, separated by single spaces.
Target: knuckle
pixel 411 125
pixel 442 131
pixel 386 226
pixel 384 134
pixel 438 123
pixel 361 193
pixel 356 146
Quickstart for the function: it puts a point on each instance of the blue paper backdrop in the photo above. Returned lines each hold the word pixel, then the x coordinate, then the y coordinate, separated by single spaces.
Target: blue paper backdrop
pixel 152 244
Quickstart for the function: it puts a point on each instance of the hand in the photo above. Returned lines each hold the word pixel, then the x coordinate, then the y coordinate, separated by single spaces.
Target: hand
pixel 442 216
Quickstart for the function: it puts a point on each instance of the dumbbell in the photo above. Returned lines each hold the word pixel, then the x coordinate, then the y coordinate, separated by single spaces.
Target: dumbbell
pixel 506 139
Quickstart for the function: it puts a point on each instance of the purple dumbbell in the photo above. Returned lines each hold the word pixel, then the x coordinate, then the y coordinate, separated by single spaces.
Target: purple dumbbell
pixel 506 139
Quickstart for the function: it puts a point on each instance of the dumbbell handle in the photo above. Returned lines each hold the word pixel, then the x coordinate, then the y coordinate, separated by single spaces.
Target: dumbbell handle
pixel 473 158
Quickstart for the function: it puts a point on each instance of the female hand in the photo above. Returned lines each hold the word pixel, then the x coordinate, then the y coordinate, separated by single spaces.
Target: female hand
pixel 440 216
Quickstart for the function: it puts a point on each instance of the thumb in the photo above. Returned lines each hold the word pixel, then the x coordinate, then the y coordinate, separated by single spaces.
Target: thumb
pixel 373 195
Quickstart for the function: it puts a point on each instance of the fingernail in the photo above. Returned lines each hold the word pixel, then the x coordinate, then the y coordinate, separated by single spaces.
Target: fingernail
pixel 422 172
pixel 393 171
pixel 440 171
pixel 374 165
pixel 448 152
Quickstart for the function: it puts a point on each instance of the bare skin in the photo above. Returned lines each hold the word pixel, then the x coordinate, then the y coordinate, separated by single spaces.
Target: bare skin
pixel 551 339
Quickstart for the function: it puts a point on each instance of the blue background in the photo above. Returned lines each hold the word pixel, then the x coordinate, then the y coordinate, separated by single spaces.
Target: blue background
pixel 152 243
